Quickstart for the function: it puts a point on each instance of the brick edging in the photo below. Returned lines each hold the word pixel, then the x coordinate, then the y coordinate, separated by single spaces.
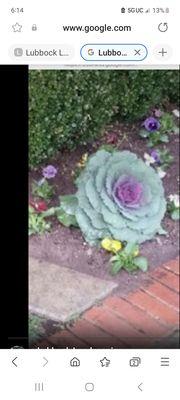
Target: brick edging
pixel 137 320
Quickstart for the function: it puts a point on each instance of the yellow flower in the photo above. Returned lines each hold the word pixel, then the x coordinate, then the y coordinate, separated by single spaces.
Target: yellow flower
pixel 84 157
pixel 111 245
pixel 79 164
pixel 136 253
pixel 82 161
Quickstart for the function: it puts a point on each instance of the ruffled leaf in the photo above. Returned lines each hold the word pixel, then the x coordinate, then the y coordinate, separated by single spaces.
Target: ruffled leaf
pixel 141 262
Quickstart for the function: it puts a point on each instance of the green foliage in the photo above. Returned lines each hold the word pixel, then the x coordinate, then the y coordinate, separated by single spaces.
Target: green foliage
pixel 143 133
pixel 156 138
pixel 36 329
pixel 173 207
pixel 66 219
pixel 170 83
pixel 43 190
pixel 167 123
pixel 128 260
pixel 66 212
pixel 175 214
pixel 37 223
pixel 98 214
pixel 140 90
pixel 69 108
pixel 108 147
pixel 165 157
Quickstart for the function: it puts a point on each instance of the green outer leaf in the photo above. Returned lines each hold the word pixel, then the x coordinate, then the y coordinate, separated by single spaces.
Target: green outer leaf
pixel 92 194
pixel 141 262
pixel 69 203
pixel 50 212
pixel 143 133
pixel 91 234
pixel 115 257
pixel 164 138
pixel 130 248
pixel 176 130
pixel 161 231
pixel 117 265
pixel 150 143
pixel 95 217
pixel 116 220
pixel 66 219
pixel 175 214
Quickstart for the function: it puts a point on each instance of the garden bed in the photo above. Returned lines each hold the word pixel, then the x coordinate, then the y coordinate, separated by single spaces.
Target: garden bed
pixel 66 246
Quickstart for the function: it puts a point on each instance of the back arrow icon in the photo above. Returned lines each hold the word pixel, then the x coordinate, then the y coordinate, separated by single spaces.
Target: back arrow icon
pixel 46 361
pixel 139 387
pixel 13 361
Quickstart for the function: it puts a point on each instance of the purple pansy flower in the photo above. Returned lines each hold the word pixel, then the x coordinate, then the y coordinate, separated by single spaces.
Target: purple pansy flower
pixel 156 156
pixel 151 124
pixel 128 192
pixel 49 172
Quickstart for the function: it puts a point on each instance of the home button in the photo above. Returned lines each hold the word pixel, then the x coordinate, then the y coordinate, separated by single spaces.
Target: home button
pixel 75 362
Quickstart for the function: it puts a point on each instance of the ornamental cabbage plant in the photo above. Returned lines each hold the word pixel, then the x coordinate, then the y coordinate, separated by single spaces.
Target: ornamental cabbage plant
pixel 118 196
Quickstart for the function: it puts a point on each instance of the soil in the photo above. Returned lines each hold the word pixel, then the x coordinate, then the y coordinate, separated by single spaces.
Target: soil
pixel 66 246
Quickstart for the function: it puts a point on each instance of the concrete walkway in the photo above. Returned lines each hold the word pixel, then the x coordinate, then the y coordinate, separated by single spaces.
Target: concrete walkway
pixel 61 294
pixel 145 318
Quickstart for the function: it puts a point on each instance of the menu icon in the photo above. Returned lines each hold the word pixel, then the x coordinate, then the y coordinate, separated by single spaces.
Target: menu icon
pixel 164 361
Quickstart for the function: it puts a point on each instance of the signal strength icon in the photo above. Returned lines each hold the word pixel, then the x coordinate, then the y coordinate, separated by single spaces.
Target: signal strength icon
pixel 148 10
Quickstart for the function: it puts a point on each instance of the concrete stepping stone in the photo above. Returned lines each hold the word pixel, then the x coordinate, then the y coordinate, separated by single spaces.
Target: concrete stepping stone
pixel 60 293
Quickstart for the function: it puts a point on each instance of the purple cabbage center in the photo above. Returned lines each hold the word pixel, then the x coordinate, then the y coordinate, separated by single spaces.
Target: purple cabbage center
pixel 128 192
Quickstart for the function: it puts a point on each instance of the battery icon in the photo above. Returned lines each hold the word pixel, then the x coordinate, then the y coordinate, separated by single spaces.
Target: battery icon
pixel 123 10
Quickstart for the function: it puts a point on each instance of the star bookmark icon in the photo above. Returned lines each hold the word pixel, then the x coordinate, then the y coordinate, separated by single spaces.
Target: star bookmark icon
pixel 17 27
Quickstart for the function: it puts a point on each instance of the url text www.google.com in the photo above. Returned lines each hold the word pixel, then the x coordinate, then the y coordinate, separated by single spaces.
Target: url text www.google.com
pixel 96 28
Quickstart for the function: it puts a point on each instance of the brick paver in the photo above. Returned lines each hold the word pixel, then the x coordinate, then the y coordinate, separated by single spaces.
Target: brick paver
pixel 139 320
pixel 146 324
pixel 155 308
pixel 173 266
pixel 67 339
pixel 95 335
pixel 164 294
pixel 166 277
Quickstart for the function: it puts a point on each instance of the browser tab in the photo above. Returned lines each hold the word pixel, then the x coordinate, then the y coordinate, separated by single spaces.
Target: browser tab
pixel 114 52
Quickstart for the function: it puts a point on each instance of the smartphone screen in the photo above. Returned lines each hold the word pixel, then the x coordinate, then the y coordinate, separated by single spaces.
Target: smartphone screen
pixel 93 247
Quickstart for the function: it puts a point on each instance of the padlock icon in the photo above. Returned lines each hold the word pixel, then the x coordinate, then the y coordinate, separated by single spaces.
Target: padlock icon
pixel 34 27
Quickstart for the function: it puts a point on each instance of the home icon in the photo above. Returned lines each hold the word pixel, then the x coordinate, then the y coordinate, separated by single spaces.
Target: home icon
pixel 75 362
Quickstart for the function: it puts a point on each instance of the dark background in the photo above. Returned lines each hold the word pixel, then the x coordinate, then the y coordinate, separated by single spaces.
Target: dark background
pixel 14 210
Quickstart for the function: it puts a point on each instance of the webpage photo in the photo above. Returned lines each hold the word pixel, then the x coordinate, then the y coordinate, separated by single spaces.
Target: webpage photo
pixel 103 208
